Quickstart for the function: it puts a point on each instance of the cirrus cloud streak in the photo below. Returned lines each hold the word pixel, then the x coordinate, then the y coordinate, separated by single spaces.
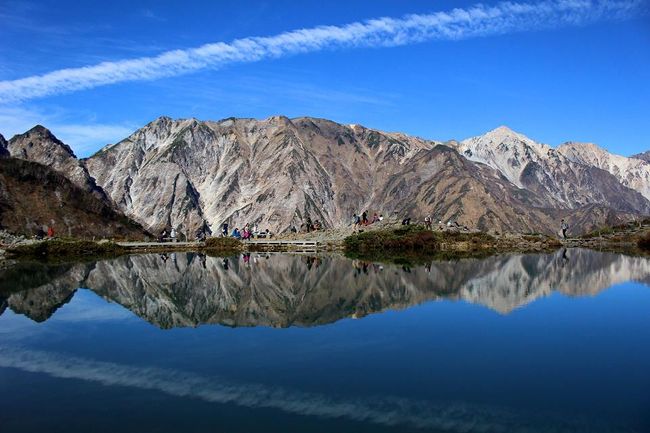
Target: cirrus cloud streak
pixel 476 21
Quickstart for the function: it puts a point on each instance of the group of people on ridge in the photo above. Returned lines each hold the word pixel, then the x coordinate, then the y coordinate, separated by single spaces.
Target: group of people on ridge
pixel 359 220
pixel 246 233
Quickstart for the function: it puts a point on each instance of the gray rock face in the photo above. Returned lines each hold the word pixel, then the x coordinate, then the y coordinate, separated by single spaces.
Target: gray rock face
pixel 273 172
pixel 278 171
pixel 40 145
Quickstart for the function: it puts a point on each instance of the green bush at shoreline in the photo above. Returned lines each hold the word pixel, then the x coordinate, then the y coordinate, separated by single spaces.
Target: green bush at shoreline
pixel 227 246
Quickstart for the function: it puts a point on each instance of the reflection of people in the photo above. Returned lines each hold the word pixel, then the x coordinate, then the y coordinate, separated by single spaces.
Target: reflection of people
pixel 565 258
pixel 225 264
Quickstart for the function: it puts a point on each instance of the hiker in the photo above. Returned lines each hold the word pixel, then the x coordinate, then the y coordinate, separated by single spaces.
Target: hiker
pixel 309 226
pixel 50 232
pixel 235 233
pixel 427 222
pixel 364 218
pixel 357 221
pixel 173 234
pixel 381 217
pixel 293 229
pixel 163 235
pixel 375 218
pixel 406 221
pixel 224 230
pixel 268 233
pixel 40 233
pixel 564 226
pixel 256 230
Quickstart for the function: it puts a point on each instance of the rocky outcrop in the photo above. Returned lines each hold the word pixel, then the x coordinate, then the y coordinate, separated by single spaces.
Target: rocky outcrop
pixel 189 289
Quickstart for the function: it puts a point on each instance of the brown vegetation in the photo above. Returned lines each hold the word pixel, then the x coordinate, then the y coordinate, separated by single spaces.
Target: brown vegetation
pixel 33 196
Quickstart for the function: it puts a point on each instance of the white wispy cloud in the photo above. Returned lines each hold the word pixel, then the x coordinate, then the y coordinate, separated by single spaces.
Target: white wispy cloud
pixel 476 21
pixel 84 138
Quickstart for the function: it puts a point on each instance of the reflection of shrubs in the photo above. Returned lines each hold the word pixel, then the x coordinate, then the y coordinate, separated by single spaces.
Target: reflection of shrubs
pixel 644 242
pixel 223 245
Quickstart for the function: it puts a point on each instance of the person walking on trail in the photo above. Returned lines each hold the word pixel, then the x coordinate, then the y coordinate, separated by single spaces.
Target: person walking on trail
pixel 427 222
pixel 172 235
pixel 357 220
pixel 224 230
pixel 364 218
pixel 564 226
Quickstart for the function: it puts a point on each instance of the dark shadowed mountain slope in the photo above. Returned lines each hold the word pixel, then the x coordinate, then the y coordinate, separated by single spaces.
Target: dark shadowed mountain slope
pixel 33 195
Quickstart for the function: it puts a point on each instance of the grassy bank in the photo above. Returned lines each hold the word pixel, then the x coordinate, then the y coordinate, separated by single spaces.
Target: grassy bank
pixel 222 246
pixel 66 250
pixel 416 244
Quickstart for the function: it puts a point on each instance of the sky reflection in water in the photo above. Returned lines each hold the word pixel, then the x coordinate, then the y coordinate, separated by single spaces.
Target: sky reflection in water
pixel 539 343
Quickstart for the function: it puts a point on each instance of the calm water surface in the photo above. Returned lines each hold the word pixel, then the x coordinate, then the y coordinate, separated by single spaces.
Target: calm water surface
pixel 290 343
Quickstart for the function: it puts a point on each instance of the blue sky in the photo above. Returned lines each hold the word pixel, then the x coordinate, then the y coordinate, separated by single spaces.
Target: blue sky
pixel 552 73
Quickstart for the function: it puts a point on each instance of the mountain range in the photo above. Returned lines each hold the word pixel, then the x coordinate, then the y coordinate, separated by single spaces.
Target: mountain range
pixel 277 172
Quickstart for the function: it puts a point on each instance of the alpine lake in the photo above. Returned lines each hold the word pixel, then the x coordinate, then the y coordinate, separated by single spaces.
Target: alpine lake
pixel 184 342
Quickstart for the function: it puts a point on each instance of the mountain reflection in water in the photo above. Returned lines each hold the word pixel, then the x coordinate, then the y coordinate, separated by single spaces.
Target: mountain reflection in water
pixel 279 290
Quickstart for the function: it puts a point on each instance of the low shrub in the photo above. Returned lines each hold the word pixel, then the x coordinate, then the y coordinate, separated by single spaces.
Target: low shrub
pixel 223 245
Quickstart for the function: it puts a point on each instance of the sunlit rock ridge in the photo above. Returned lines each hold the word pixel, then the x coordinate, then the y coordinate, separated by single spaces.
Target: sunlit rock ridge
pixel 189 289
pixel 195 175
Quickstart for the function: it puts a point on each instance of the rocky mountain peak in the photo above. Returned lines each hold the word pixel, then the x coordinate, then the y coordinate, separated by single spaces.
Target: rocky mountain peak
pixel 38 139
pixel 40 145
pixel 505 135
pixel 644 156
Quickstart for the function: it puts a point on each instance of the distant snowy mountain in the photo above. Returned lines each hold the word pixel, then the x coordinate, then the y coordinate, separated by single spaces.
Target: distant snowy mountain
pixel 559 180
pixel 631 172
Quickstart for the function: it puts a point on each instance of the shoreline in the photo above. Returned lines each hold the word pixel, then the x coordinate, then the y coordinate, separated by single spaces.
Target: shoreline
pixel 393 243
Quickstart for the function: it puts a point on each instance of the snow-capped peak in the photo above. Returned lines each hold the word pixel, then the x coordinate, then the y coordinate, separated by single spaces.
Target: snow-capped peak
pixel 505 150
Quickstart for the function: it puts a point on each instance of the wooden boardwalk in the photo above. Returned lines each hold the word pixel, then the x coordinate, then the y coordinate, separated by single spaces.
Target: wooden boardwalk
pixel 263 244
